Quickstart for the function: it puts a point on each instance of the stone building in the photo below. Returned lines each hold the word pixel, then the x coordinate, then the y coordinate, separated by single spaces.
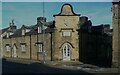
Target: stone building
pixel 95 43
pixel 66 44
pixel 116 32
pixel 28 41
pixel 68 38
pixel 12 27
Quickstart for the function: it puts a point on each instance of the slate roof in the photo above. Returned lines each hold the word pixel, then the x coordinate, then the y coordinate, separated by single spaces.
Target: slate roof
pixel 18 32
pixel 97 29
pixel 3 30
pixel 33 29
pixel 29 27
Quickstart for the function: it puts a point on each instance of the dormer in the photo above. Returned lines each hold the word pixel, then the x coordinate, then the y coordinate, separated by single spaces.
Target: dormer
pixel 25 29
pixel 9 33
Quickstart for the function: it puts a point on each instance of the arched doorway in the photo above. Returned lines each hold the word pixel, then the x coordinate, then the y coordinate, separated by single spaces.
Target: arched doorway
pixel 66 52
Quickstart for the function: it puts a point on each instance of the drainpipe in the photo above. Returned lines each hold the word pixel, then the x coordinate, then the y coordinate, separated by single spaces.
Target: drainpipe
pixel 30 47
pixel 80 53
pixel 51 45
pixel 37 45
pixel 96 48
pixel 11 46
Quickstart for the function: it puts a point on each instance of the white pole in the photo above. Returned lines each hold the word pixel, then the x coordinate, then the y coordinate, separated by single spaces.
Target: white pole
pixel 44 52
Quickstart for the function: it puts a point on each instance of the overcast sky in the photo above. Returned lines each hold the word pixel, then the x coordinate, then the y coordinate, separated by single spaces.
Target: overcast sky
pixel 27 12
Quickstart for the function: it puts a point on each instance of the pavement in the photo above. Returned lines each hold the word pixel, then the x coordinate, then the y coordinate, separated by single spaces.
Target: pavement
pixel 85 67
pixel 21 60
pixel 73 66
pixel 9 67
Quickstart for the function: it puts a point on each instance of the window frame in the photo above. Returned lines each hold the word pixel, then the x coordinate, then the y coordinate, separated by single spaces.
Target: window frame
pixel 40 48
pixel 23 31
pixel 66 33
pixel 7 35
pixel 8 48
pixel 39 29
pixel 66 30
pixel 23 47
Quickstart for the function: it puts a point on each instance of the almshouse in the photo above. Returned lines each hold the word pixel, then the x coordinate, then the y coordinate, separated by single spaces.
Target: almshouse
pixel 68 37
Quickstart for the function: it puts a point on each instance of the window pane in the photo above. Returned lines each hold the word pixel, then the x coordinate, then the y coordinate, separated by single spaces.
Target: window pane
pixel 68 54
pixel 39 47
